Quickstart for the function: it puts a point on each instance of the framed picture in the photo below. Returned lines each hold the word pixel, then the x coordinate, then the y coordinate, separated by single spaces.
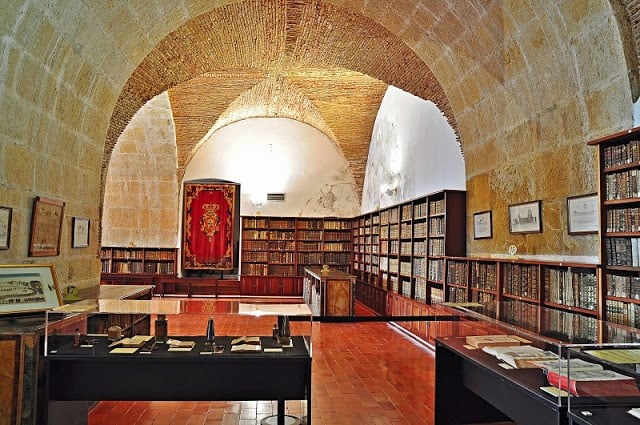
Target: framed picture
pixel 5 227
pixel 482 225
pixel 28 287
pixel 525 218
pixel 80 236
pixel 582 214
pixel 46 226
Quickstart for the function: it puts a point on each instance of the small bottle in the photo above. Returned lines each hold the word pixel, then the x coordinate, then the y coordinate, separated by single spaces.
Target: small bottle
pixel 161 328
pixel 76 338
pixel 210 336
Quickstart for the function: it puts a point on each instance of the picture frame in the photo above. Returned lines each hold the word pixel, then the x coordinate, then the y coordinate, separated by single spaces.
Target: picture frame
pixel 482 225
pixel 28 288
pixel 46 227
pixel 5 227
pixel 525 217
pixel 583 214
pixel 80 233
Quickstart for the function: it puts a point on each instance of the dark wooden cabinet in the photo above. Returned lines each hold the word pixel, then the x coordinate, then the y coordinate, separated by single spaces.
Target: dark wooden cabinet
pixel 195 286
pixel 329 292
pixel 271 286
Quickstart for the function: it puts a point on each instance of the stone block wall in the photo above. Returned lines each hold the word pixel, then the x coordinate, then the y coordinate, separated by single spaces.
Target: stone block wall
pixel 141 205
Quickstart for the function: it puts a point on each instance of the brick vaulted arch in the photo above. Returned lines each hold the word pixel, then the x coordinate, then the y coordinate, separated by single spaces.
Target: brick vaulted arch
pixel 340 59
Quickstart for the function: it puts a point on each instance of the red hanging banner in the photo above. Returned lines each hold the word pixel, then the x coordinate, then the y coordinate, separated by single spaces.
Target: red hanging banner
pixel 207 232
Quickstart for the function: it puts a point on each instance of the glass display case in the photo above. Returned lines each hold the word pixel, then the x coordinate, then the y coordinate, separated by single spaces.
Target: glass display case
pixel 520 368
pixel 149 350
pixel 602 384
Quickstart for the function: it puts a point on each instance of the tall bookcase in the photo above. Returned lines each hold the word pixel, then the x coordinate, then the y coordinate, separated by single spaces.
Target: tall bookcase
pixel 284 246
pixel 402 248
pixel 619 172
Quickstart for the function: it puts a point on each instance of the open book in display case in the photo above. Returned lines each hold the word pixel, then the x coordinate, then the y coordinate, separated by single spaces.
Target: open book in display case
pixel 538 379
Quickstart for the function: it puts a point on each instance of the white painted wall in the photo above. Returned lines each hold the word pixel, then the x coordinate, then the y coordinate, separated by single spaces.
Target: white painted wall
pixel 413 148
pixel 269 155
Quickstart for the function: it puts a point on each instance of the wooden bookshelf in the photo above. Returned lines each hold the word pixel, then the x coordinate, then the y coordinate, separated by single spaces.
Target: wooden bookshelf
pixel 401 249
pixel 513 290
pixel 619 200
pixel 276 251
pixel 126 262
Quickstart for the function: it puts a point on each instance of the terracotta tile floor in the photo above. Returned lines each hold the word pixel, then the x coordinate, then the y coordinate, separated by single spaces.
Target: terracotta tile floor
pixel 362 373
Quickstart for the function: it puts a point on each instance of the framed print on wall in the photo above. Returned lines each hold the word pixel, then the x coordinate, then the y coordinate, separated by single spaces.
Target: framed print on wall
pixel 28 287
pixel 46 227
pixel 582 214
pixel 482 225
pixel 525 218
pixel 5 227
pixel 80 237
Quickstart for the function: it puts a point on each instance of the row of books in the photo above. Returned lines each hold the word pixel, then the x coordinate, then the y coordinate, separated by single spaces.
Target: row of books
pixel 622 154
pixel 436 247
pixel 436 270
pixel 484 276
pixel 521 280
pixel 310 235
pixel 336 258
pixel 436 207
pixel 337 225
pixel 337 246
pixel 310 257
pixel 390 215
pixel 570 288
pixel 281 257
pixel 160 255
pixel 337 236
pixel 253 269
pixel 406 288
pixel 623 220
pixel 286 245
pixel 457 272
pixel 255 256
pixel 622 313
pixel 437 226
pixel 133 254
pixel 622 185
pixel 126 267
pixel 623 286
pixel 419 267
pixel 622 251
pixel 420 290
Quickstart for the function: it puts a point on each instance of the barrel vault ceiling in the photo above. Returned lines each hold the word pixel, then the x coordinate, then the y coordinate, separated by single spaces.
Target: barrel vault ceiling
pixel 326 63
